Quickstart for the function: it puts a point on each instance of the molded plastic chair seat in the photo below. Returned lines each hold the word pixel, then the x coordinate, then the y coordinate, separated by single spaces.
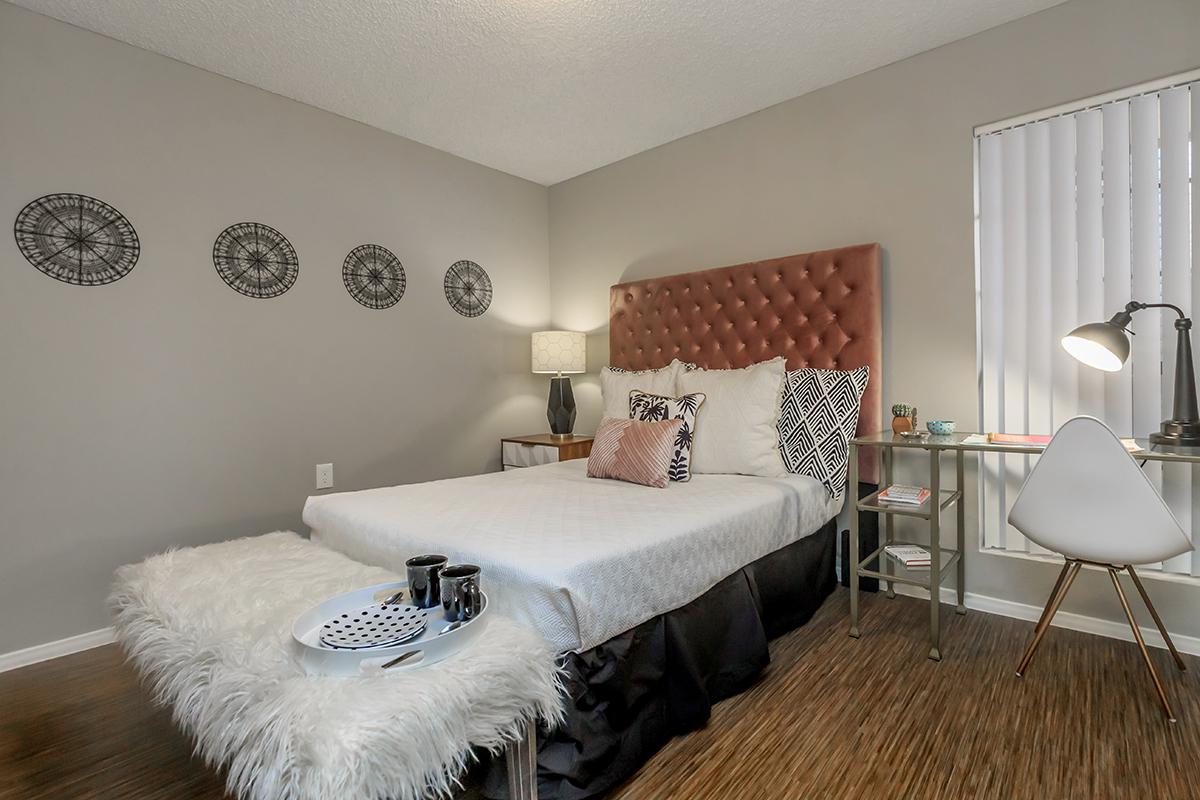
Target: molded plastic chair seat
pixel 1087 499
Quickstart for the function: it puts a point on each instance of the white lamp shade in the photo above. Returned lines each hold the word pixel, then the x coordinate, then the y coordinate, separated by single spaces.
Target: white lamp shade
pixel 559 351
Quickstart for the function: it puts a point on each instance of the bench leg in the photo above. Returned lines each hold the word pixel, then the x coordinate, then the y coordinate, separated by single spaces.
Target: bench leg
pixel 521 758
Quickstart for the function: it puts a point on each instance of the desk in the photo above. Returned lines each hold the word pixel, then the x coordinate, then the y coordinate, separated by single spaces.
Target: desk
pixel 942 559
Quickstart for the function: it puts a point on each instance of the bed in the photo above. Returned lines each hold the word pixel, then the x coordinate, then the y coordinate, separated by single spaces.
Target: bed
pixel 661 601
pixel 580 560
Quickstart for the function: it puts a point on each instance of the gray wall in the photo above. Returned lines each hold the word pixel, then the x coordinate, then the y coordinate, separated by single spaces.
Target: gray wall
pixel 166 409
pixel 886 156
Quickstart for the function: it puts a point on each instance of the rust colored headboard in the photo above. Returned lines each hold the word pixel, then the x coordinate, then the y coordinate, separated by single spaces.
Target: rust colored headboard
pixel 815 309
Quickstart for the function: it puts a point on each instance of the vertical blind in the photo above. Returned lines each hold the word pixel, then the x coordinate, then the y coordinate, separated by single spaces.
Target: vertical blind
pixel 1077 215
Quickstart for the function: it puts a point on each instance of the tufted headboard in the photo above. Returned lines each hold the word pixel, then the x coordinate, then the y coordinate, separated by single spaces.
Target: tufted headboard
pixel 816 309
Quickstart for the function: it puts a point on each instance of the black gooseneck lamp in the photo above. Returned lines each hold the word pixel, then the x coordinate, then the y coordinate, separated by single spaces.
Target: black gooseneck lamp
pixel 1105 346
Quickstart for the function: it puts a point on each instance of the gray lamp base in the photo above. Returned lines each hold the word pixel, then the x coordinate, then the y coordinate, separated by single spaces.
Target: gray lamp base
pixel 560 410
pixel 1177 434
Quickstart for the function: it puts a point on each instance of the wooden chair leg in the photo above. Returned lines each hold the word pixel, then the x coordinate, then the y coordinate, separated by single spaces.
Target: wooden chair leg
pixel 1137 634
pixel 1157 620
pixel 1065 579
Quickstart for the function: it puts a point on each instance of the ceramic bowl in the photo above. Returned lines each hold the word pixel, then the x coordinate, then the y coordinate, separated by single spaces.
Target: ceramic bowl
pixel 940 427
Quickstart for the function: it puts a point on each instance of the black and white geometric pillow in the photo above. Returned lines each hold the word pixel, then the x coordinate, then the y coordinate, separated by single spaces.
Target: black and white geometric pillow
pixel 686 366
pixel 655 408
pixel 817 417
pixel 623 371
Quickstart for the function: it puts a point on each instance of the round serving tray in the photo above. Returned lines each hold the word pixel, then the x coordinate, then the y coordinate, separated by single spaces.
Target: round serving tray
pixel 433 645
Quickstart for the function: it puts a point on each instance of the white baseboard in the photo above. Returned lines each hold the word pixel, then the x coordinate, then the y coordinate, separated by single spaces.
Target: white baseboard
pixel 49 650
pixel 1113 629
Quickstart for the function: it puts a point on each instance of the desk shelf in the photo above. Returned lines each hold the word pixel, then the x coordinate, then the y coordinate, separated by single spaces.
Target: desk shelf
pixel 907 575
pixel 871 503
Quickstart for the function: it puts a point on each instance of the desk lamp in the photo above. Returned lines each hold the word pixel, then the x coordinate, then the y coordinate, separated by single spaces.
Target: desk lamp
pixel 1105 346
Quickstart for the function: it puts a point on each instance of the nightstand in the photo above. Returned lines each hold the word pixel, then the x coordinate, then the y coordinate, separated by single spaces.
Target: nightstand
pixel 542 448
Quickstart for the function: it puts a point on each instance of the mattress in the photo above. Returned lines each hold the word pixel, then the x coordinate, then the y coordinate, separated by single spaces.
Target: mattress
pixel 580 559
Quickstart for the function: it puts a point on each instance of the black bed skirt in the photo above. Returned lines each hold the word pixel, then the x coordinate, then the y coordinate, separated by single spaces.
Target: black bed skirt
pixel 632 693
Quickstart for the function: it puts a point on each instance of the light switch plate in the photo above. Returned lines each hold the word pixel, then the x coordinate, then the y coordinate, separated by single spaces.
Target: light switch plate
pixel 324 476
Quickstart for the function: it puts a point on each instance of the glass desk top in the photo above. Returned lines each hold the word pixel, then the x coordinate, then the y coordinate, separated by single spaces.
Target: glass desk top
pixel 955 441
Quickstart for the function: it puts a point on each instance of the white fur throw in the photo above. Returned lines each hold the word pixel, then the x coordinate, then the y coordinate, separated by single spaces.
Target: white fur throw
pixel 210 629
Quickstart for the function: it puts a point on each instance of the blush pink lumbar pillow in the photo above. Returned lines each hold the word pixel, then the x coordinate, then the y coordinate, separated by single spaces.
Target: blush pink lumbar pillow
pixel 634 451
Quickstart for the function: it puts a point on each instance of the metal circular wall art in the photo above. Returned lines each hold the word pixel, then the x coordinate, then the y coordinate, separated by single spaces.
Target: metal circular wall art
pixel 468 288
pixel 374 276
pixel 255 260
pixel 77 239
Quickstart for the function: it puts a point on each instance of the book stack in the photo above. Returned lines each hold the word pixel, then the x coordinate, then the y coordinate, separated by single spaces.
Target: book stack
pixel 909 555
pixel 908 496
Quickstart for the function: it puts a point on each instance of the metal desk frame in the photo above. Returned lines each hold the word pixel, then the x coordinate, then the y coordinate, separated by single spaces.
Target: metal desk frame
pixel 942 559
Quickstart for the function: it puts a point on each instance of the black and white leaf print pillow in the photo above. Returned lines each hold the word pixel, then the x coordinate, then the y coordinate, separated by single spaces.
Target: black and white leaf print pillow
pixel 654 408
pixel 817 417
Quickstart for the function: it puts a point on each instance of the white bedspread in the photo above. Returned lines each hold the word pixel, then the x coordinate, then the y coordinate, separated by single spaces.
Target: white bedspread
pixel 580 559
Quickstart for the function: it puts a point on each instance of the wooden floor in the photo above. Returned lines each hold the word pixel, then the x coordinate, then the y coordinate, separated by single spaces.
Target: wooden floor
pixel 833 717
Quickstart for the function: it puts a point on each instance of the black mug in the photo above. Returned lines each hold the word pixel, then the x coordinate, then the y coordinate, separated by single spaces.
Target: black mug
pixel 423 585
pixel 461 600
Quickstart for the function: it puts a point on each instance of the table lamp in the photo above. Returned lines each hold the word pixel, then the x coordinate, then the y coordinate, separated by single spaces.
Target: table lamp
pixel 556 353
pixel 1105 346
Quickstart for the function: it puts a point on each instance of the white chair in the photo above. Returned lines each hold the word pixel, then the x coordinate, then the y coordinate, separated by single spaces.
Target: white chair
pixel 1087 499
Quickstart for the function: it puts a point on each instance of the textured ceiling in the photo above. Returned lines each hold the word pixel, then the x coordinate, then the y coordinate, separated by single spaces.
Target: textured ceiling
pixel 543 89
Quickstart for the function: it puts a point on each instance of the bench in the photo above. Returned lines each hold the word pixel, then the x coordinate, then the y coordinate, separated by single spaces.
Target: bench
pixel 209 630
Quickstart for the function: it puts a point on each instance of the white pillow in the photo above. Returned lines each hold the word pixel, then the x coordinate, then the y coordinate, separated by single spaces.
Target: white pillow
pixel 616 384
pixel 736 427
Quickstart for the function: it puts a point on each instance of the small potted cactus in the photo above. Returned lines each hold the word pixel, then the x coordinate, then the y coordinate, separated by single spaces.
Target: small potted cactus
pixel 904 418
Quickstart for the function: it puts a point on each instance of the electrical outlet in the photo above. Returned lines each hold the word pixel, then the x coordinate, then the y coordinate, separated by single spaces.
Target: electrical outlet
pixel 324 476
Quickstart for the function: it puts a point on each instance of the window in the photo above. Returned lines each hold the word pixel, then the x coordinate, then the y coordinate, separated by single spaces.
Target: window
pixel 1079 210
